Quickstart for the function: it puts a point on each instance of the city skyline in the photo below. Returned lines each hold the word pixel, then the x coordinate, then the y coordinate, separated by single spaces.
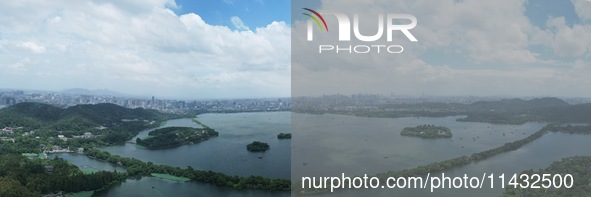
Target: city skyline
pixel 66 99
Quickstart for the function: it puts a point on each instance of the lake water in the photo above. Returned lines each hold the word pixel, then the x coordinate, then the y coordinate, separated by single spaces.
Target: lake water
pixel 226 153
pixel 161 187
pixel 143 186
pixel 332 144
pixel 83 162
pixel 538 154
pixel 328 145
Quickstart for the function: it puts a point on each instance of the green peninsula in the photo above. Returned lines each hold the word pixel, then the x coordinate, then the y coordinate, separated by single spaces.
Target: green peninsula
pixel 427 131
pixel 171 137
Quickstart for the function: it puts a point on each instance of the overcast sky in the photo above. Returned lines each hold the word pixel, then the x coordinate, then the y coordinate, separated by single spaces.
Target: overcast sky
pixel 184 49
pixel 465 47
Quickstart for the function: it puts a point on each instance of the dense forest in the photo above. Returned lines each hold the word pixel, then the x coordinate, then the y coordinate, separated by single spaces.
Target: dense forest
pixel 112 123
pixel 170 137
pixel 257 146
pixel 20 176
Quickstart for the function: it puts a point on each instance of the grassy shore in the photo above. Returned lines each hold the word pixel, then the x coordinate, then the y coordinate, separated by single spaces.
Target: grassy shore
pixel 30 154
pixel 88 171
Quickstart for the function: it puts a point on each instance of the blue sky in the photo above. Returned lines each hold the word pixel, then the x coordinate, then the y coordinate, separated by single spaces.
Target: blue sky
pixel 254 13
pixel 187 49
pixel 538 11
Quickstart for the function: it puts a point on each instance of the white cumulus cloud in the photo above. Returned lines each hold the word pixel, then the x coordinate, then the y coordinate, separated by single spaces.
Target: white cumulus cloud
pixel 139 47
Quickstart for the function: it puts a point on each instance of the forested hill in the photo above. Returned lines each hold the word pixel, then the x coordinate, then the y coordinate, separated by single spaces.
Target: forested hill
pixel 505 111
pixel 580 113
pixel 38 114
pixel 115 124
pixel 516 104
pixel 517 111
pixel 108 113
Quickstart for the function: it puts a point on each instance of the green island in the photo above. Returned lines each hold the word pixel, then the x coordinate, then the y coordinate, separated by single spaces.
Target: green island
pixel 427 131
pixel 171 137
pixel 257 146
pixel 35 128
pixel 284 136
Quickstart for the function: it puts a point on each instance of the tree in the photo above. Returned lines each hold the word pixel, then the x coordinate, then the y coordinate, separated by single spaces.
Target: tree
pixel 257 146
pixel 11 187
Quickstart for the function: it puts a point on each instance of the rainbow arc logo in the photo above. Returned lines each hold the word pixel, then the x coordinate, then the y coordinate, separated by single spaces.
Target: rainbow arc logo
pixel 313 17
pixel 388 23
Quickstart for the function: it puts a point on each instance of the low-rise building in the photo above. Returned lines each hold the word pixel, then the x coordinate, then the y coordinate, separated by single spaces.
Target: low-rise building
pixel 62 137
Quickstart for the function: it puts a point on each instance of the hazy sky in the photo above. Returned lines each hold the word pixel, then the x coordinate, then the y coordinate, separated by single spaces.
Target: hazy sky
pixel 183 49
pixel 465 47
